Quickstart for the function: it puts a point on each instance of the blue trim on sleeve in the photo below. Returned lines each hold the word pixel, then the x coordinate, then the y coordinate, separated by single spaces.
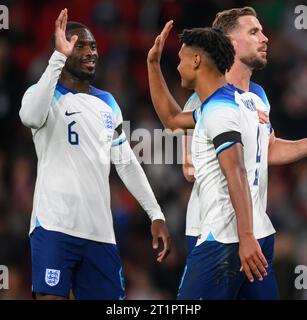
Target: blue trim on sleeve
pixel 195 116
pixel 56 97
pixel 224 146
pixel 118 142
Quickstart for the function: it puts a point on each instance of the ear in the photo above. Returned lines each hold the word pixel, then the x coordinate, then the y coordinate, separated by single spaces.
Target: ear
pixel 196 60
pixel 232 40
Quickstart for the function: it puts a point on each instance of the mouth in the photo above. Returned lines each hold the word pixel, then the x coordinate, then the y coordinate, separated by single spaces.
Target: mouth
pixel 89 63
pixel 263 50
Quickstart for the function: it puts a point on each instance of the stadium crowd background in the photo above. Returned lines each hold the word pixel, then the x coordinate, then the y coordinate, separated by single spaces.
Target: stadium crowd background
pixel 124 30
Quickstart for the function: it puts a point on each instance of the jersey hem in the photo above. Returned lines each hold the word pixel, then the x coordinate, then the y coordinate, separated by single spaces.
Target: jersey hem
pixel 233 239
pixel 74 234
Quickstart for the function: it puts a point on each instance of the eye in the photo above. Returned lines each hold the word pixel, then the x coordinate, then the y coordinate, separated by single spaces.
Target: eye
pixel 79 45
pixel 93 46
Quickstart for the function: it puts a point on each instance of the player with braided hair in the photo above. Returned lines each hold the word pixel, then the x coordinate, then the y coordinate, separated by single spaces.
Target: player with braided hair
pixel 235 230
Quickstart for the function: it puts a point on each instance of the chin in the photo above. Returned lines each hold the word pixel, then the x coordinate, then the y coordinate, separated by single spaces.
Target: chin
pixel 87 76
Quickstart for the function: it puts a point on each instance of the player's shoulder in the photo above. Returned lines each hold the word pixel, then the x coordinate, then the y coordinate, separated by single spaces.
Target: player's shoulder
pixel 255 88
pixel 259 91
pixel 106 97
pixel 192 103
pixel 224 97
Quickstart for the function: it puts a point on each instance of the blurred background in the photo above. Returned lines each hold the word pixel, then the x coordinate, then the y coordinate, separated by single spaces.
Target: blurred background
pixel 125 30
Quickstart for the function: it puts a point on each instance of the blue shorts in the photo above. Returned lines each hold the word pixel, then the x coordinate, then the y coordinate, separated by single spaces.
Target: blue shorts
pixel 191 242
pixel 213 272
pixel 60 263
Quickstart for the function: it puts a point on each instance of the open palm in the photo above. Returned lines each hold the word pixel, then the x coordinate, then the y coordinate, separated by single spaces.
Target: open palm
pixel 61 43
pixel 154 54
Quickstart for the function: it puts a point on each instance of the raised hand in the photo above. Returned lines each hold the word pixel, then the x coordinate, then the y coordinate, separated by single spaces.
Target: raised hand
pixel 61 43
pixel 154 54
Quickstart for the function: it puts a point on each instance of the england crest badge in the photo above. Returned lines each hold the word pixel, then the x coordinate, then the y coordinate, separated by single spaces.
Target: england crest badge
pixel 107 120
pixel 52 277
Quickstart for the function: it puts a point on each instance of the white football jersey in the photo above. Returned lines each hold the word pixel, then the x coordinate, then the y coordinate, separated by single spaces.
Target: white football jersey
pixel 75 140
pixel 229 116
pixel 193 213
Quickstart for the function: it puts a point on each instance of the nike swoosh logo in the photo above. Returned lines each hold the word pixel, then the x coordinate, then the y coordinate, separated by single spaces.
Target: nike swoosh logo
pixel 71 113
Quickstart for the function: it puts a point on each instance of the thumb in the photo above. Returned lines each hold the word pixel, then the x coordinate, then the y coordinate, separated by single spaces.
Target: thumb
pixel 155 242
pixel 74 39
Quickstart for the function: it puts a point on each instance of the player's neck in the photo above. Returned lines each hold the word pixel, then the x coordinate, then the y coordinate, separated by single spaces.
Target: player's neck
pixel 73 83
pixel 207 85
pixel 239 75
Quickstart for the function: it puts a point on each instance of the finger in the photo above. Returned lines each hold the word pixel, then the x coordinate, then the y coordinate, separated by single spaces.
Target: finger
pixel 167 28
pixel 248 272
pixel 254 269
pixel 262 259
pixel 61 18
pixel 166 248
pixel 260 266
pixel 64 22
pixel 74 39
pixel 155 242
pixel 163 254
pixel 58 20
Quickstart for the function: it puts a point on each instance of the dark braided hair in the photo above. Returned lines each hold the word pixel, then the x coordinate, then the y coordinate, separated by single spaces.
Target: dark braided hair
pixel 214 43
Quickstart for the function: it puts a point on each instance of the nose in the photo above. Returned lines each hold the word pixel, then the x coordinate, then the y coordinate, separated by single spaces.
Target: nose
pixel 264 38
pixel 89 51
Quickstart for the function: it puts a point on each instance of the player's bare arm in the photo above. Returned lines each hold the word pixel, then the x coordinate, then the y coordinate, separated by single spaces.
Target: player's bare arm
pixel 285 151
pixel 187 165
pixel 253 261
pixel 167 108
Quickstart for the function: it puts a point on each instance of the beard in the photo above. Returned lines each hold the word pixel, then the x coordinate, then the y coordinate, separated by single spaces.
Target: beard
pixel 254 63
pixel 81 75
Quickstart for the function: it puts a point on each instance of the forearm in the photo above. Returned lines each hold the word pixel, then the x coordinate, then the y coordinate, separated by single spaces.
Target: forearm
pixel 134 178
pixel 186 150
pixel 38 99
pixel 232 165
pixel 286 151
pixel 241 200
pixel 164 103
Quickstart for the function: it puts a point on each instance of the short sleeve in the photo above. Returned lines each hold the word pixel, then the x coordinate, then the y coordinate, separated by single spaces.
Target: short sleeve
pixel 192 103
pixel 222 125
pixel 119 136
